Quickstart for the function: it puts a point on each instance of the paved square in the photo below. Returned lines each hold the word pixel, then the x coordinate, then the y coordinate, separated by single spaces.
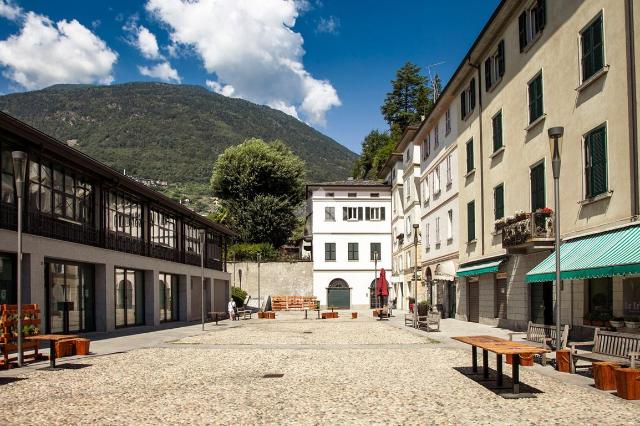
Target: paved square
pixel 345 371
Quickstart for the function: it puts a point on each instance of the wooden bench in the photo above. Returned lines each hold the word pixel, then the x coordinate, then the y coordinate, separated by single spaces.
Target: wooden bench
pixel 544 336
pixel 431 319
pixel 608 346
pixel 408 319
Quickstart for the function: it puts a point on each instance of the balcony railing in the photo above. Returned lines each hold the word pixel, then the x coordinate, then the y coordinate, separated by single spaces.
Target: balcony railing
pixel 525 228
pixel 60 229
pixel 126 244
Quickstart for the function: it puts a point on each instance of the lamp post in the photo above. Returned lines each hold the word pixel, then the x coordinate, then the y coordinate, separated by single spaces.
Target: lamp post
pixel 415 274
pixel 555 144
pixel 259 257
pixel 19 173
pixel 202 238
pixel 375 277
pixel 240 277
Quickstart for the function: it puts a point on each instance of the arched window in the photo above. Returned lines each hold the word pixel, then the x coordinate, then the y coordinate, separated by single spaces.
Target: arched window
pixel 338 283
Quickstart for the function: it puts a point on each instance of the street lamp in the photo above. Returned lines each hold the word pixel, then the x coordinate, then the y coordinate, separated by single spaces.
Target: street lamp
pixel 19 174
pixel 555 144
pixel 375 276
pixel 202 234
pixel 415 274
pixel 259 257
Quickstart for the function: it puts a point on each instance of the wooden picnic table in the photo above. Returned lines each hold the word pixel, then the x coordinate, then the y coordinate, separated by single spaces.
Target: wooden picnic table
pixel 499 347
pixel 52 339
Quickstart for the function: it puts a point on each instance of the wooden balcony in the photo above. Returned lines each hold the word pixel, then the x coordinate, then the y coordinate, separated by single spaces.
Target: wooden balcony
pixel 528 232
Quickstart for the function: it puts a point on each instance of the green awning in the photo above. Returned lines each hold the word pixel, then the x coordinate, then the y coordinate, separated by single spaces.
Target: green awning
pixel 601 255
pixel 480 268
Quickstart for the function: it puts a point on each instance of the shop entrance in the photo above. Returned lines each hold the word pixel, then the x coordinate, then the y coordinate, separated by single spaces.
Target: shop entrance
pixel 542 303
pixel 69 289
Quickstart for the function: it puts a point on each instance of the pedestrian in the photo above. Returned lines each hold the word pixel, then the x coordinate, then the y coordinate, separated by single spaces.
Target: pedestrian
pixel 231 308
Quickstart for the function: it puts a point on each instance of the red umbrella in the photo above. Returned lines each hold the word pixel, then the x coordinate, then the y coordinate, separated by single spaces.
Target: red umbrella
pixel 382 287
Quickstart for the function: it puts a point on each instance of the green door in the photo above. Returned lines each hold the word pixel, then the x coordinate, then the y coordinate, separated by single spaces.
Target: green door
pixel 537 187
pixel 339 294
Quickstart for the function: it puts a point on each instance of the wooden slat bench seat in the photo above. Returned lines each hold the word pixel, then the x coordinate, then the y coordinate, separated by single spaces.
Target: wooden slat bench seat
pixel 619 348
pixel 544 336
pixel 429 322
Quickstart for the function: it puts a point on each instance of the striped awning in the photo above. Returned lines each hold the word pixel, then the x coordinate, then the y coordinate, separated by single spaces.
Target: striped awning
pixel 480 268
pixel 601 255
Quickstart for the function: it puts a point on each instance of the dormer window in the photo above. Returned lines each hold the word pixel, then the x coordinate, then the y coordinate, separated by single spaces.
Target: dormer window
pixel 494 67
pixel 531 22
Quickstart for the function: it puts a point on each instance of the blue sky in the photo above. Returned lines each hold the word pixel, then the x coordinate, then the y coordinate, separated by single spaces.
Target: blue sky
pixel 332 70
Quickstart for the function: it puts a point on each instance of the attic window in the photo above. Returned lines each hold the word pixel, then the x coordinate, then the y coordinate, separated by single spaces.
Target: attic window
pixel 375 195
pixel 352 195
pixel 329 194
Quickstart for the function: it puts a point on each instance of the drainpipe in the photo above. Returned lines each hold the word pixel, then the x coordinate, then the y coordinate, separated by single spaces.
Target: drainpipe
pixel 480 149
pixel 633 111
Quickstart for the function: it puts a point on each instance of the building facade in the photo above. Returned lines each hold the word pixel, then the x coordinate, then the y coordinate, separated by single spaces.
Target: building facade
pixel 101 251
pixel 536 65
pixel 350 224
pixel 439 215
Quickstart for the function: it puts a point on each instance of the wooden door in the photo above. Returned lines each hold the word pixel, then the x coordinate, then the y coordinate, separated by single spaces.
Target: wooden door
pixel 473 296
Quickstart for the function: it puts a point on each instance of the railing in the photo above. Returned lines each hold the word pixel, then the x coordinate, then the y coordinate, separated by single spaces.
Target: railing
pixel 60 229
pixel 525 228
pixel 8 216
pixel 192 258
pixel 164 253
pixel 126 244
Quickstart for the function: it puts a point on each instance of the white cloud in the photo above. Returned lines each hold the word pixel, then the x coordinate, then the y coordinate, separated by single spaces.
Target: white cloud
pixel 10 10
pixel 250 46
pixel 162 71
pixel 142 39
pixel 328 25
pixel 225 90
pixel 46 53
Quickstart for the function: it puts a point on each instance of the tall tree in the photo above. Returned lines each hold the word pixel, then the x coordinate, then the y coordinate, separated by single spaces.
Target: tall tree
pixel 406 101
pixel 260 185
pixel 371 145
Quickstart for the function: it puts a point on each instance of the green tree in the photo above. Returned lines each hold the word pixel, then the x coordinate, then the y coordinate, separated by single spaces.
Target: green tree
pixel 260 185
pixel 371 145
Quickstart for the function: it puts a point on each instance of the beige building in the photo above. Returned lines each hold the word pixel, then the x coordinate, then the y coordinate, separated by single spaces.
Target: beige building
pixel 538 65
pixel 402 172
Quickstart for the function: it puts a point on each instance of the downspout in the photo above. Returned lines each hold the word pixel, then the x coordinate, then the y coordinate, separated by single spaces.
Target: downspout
pixel 633 110
pixel 481 151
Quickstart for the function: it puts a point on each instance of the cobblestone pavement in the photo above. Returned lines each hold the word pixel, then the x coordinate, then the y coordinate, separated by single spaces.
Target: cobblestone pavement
pixel 344 371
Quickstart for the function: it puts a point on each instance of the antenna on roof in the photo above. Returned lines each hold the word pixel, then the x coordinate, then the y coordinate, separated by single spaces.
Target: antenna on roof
pixel 435 89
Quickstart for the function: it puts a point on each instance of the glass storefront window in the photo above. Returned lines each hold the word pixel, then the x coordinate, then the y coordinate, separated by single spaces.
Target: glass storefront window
pixel 129 297
pixel 168 284
pixel 7 280
pixel 631 297
pixel 70 294
pixel 601 295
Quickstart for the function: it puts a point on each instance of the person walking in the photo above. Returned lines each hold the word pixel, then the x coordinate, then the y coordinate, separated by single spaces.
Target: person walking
pixel 231 307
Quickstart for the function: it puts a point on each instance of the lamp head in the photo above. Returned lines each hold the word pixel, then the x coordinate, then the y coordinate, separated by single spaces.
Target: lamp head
pixel 555 141
pixel 19 170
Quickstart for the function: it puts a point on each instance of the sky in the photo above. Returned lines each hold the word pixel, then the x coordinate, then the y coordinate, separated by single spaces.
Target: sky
pixel 328 63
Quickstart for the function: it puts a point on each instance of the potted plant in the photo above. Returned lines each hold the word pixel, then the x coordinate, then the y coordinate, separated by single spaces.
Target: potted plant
pixel 520 215
pixel 616 322
pixel 499 224
pixel 605 317
pixel 632 322
pixel 545 211
pixel 595 319
pixel 423 308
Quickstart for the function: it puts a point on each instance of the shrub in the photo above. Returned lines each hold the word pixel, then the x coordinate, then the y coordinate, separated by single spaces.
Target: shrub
pixel 249 251
pixel 423 307
pixel 238 295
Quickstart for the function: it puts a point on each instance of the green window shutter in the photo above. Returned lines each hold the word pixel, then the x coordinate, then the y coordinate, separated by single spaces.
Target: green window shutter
pixel 535 99
pixel 359 213
pixel 487 74
pixel 381 213
pixel 367 213
pixel 501 62
pixel 522 30
pixel 537 187
pixel 592 49
pixel 597 162
pixel 472 94
pixel 497 132
pixel 344 213
pixel 499 202
pixel 598 45
pixel 541 15
pixel 463 106
pixel 471 221
pixel 469 155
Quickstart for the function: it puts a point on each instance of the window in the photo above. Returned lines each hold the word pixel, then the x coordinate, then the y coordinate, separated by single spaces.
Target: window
pixel 537 187
pixel 596 162
pixel 129 297
pixel 407 226
pixel 215 243
pixel 407 189
pixel 497 131
pixel 168 284
pixel 329 214
pixel 436 180
pixel 498 200
pixel 531 22
pixel 592 43
pixel 447 122
pixel 330 194
pixel 330 251
pixel 352 195
pixel 163 229
pixel 450 224
pixel 426 237
pixel 57 192
pixel 124 215
pixel 426 145
pixel 374 213
pixel 437 230
pixel 494 67
pixel 470 165
pixel 375 195
pixel 471 221
pixel 352 213
pixel 407 155
pixel 449 171
pixel 425 191
pixel 353 251
pixel 376 251
pixel 8 195
pixel 436 137
pixel 468 99
pixel 601 295
pixel 192 239
pixel 536 108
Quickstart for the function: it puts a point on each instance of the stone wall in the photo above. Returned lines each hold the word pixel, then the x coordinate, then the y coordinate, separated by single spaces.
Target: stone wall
pixel 276 279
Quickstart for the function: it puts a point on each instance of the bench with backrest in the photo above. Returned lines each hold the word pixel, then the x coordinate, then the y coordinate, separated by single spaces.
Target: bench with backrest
pixel 430 322
pixel 608 346
pixel 544 336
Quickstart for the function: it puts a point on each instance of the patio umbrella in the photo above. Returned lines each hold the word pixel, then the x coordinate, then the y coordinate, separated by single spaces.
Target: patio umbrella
pixel 382 286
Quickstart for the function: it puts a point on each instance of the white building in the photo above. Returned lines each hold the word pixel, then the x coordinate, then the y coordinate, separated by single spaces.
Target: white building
pixel 350 223
pixel 439 205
